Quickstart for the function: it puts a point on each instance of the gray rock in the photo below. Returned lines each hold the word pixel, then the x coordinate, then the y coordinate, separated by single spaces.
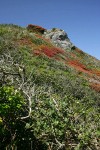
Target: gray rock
pixel 58 37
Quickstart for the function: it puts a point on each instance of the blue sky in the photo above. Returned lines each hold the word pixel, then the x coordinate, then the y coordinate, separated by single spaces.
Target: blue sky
pixel 79 18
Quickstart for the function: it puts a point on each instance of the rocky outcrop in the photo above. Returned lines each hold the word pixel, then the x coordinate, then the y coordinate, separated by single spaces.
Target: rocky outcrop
pixel 58 37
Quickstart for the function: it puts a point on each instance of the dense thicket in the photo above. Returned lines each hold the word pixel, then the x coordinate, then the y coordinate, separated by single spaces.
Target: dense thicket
pixel 44 103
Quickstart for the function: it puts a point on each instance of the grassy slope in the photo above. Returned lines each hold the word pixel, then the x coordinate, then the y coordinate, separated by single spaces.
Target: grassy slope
pixel 66 87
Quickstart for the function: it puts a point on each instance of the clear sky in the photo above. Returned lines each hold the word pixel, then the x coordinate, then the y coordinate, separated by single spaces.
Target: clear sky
pixel 79 18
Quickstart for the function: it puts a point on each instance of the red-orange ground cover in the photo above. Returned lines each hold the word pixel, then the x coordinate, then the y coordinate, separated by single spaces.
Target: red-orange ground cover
pixel 49 51
pixel 36 28
pixel 79 66
pixel 95 86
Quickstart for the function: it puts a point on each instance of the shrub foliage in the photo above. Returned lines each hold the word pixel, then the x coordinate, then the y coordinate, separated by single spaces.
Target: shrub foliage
pixel 45 104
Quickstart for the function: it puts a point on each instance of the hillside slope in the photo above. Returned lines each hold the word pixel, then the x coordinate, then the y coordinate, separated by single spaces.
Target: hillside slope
pixel 49 91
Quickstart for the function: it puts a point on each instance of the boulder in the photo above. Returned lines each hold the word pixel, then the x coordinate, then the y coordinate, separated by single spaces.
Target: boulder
pixel 58 37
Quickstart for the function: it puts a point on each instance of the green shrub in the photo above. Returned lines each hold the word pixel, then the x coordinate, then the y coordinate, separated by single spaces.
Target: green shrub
pixel 11 109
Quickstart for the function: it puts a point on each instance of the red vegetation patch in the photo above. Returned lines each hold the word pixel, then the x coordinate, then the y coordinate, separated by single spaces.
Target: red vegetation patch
pixel 97 72
pixel 95 86
pixel 79 66
pixel 35 28
pixel 50 51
